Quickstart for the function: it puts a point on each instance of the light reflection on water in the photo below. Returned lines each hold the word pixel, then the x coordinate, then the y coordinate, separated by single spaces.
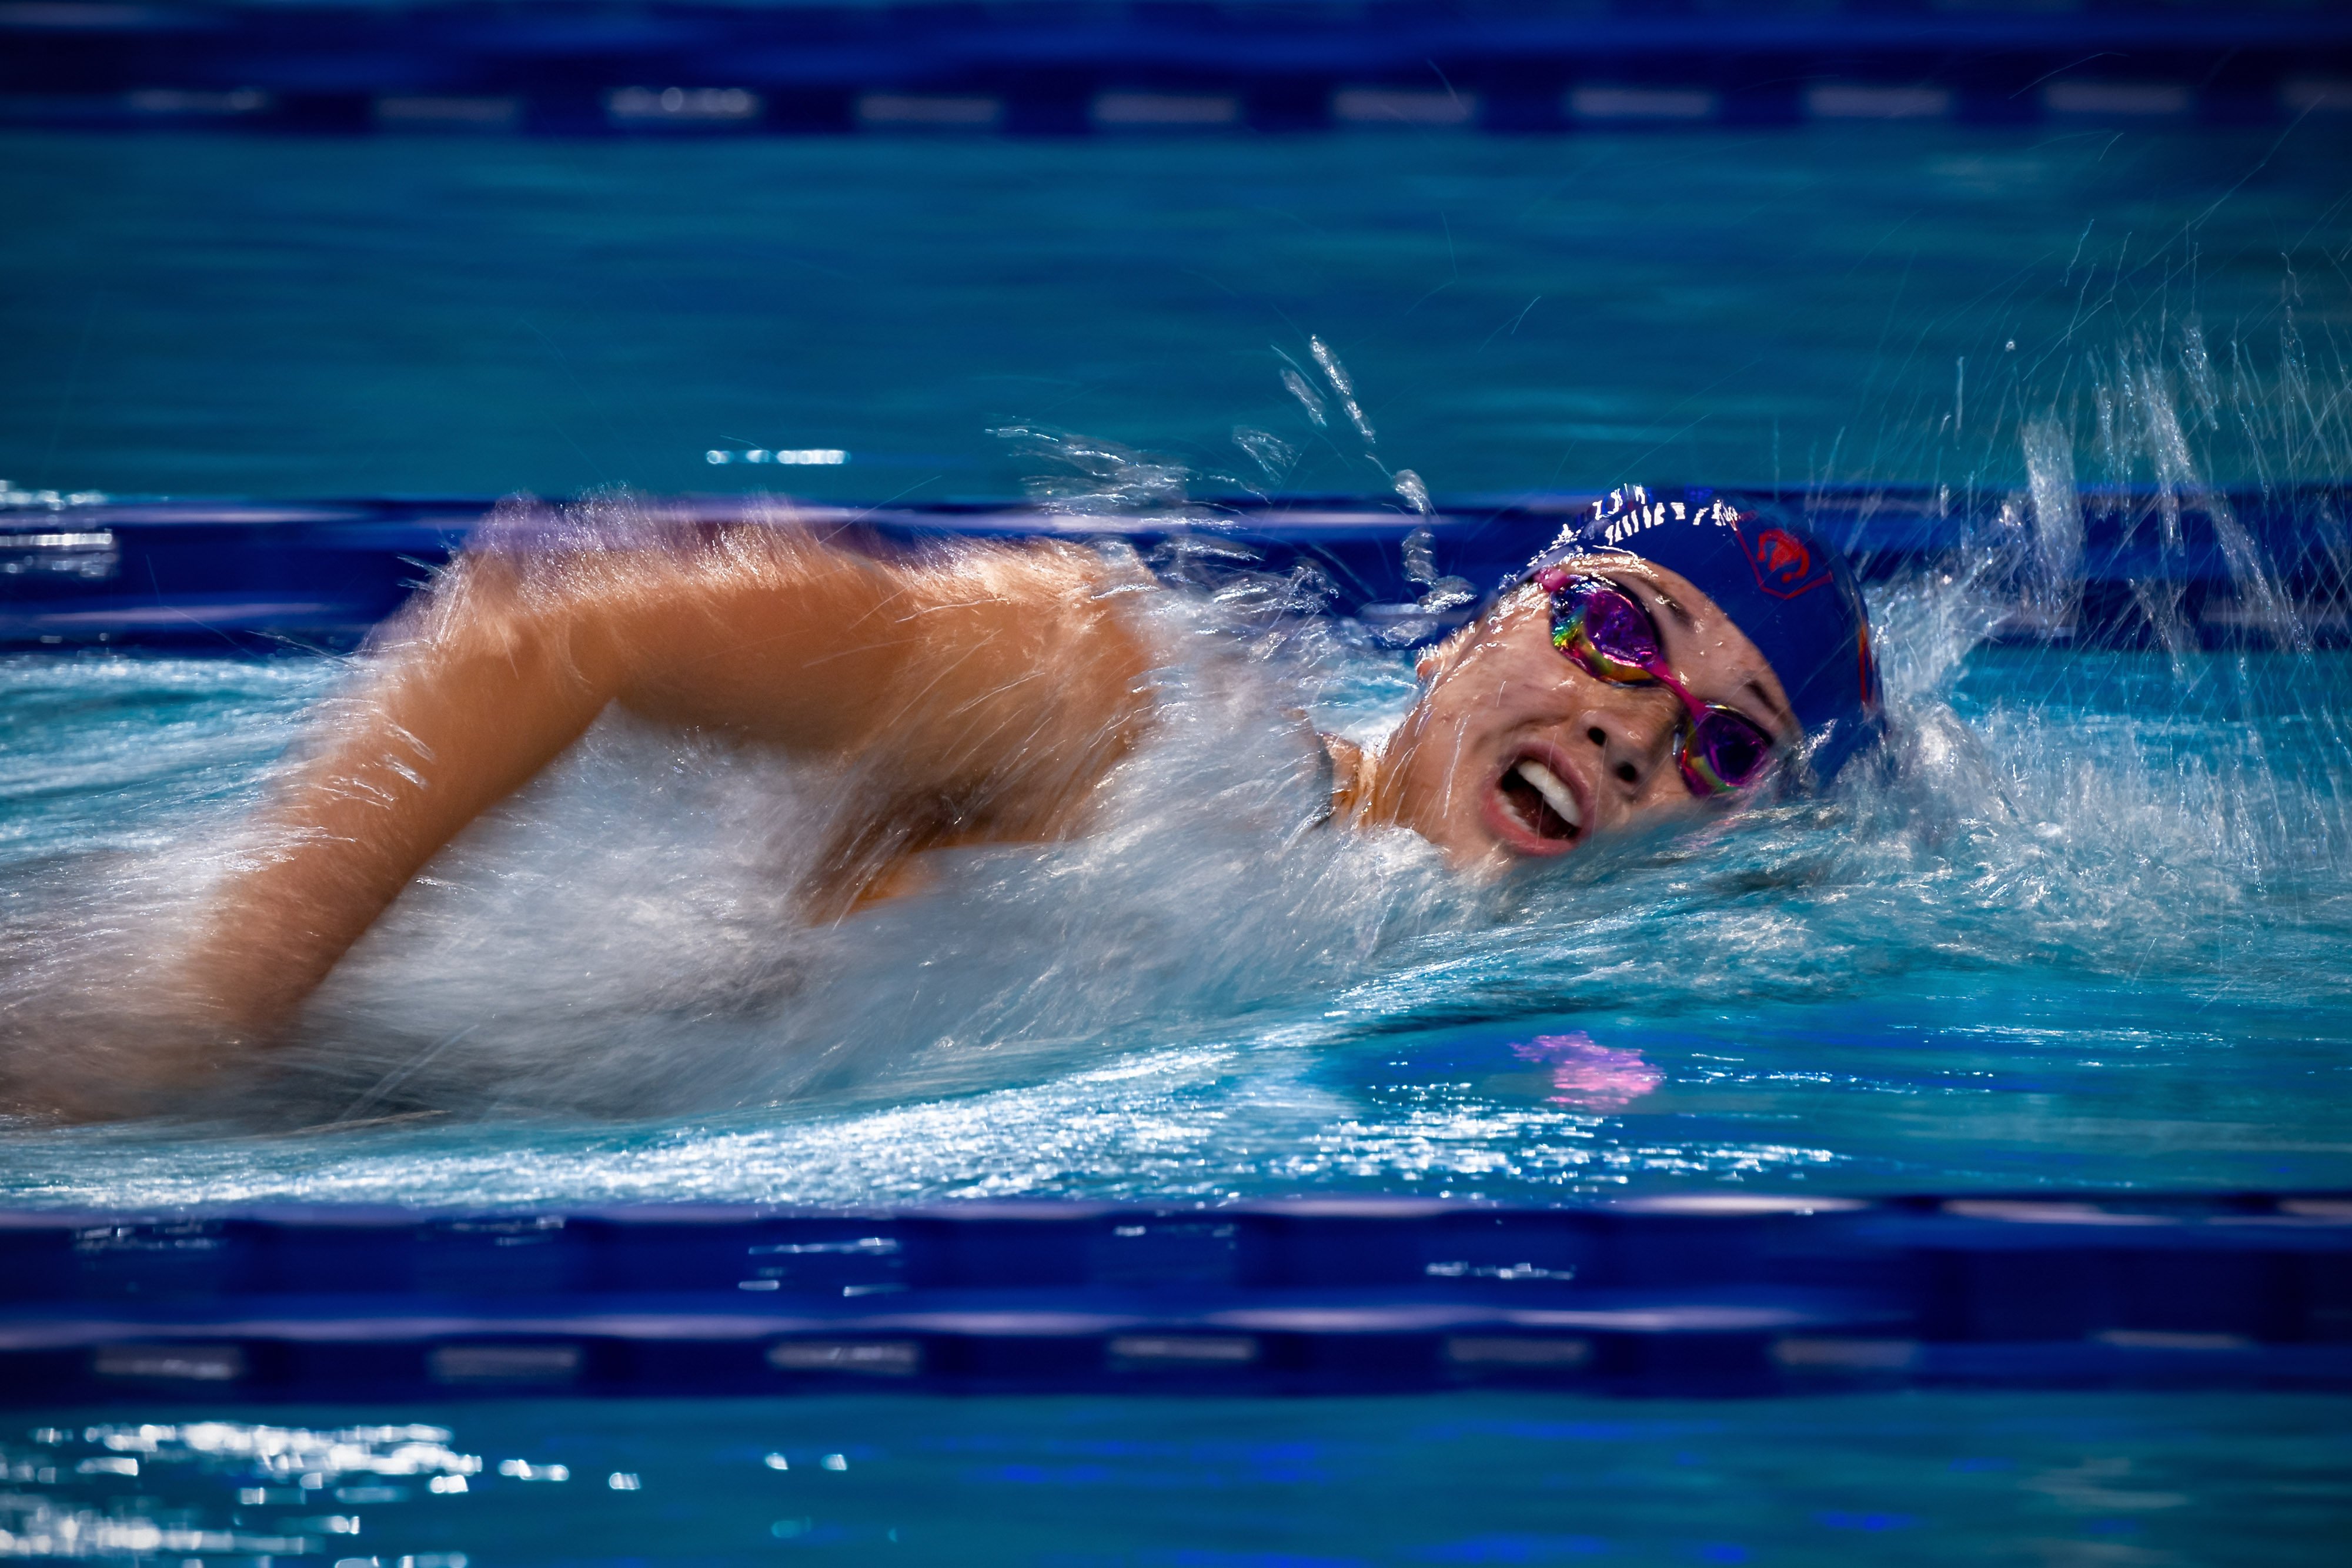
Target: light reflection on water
pixel 2087 951
pixel 117 1489
pixel 2086 925
pixel 2078 1477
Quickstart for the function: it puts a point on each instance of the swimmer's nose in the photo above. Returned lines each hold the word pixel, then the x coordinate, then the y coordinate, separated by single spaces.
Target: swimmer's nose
pixel 1632 739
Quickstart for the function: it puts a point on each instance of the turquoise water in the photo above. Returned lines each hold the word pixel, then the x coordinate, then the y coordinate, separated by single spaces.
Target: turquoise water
pixel 2088 929
pixel 2088 935
pixel 2072 1478
pixel 281 316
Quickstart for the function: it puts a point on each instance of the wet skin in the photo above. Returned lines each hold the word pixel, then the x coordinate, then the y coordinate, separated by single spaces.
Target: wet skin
pixel 1500 697
pixel 981 694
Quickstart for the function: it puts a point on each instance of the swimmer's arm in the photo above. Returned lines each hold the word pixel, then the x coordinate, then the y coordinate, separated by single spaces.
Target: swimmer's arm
pixel 469 701
pixel 1009 668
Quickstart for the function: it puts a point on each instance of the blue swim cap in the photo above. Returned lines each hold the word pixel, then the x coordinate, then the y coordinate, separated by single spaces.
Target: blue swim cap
pixel 1794 597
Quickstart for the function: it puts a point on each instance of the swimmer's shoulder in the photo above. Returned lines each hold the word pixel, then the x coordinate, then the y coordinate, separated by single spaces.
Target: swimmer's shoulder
pixel 1028 572
pixel 837 640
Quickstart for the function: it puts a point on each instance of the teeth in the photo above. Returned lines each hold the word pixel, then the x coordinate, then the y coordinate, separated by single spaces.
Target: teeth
pixel 1560 798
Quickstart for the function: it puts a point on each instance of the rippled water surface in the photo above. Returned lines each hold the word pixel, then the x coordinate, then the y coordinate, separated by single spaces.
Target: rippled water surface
pixel 2088 934
pixel 2087 926
pixel 1213 1483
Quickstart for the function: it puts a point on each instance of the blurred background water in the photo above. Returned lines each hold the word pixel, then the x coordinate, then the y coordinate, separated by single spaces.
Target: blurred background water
pixel 261 315
pixel 2072 1478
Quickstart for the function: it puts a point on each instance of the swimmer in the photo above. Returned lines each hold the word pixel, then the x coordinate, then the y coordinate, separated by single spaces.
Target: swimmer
pixel 1659 658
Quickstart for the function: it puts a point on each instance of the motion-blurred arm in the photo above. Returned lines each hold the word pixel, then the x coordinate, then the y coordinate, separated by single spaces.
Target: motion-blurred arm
pixel 986 690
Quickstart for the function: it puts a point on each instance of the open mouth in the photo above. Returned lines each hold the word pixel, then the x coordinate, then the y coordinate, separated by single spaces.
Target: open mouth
pixel 1540 808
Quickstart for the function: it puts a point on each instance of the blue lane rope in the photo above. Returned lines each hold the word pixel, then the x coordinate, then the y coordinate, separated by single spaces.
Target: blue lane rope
pixel 576 67
pixel 237 577
pixel 1709 1293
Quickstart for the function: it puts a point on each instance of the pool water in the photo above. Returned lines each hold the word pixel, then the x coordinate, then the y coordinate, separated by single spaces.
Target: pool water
pixel 2085 934
pixel 2081 1478
pixel 2086 928
pixel 197 315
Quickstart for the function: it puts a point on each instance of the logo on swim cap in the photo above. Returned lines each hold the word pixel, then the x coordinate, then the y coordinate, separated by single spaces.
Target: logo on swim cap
pixel 1760 565
pixel 1782 563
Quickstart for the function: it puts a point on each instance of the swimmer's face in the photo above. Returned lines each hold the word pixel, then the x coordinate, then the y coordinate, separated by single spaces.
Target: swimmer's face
pixel 1515 751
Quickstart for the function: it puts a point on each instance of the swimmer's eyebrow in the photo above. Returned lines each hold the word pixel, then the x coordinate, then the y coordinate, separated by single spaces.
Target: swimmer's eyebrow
pixel 1787 719
pixel 1646 593
pixel 1679 613
pixel 1784 720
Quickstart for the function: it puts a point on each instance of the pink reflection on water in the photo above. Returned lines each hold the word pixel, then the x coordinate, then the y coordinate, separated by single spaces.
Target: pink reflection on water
pixel 1590 1076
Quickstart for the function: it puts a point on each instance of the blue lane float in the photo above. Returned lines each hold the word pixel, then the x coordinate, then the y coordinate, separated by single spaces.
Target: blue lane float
pixel 2140 567
pixel 580 67
pixel 1700 1294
